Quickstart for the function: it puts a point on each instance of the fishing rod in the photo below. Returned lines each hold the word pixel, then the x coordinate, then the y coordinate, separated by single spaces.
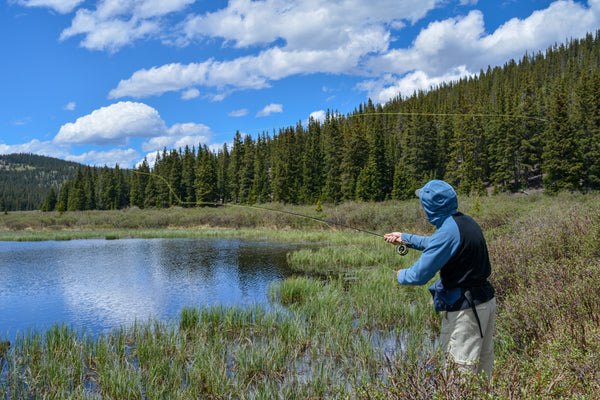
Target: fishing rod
pixel 401 249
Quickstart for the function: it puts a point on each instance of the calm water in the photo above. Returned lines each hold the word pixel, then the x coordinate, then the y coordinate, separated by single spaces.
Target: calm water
pixel 102 284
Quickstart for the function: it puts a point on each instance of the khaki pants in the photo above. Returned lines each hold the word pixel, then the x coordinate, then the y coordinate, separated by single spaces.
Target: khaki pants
pixel 462 340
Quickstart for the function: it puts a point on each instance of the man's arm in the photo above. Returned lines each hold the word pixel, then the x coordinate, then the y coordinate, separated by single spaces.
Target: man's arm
pixel 437 251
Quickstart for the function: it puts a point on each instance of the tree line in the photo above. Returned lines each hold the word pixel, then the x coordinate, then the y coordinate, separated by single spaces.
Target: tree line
pixel 528 124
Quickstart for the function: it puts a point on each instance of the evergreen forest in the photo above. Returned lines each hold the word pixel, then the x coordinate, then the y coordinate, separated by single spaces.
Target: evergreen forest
pixel 525 125
pixel 25 179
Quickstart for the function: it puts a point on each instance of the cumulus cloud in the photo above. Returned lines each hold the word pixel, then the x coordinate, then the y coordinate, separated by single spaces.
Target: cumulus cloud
pixel 270 109
pixel 60 6
pixel 117 23
pixel 457 47
pixel 70 106
pixel 353 38
pixel 250 72
pixel 113 125
pixel 384 89
pixel 328 37
pixel 178 136
pixel 304 24
pixel 123 157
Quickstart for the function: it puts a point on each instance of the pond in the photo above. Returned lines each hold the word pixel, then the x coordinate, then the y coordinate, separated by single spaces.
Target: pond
pixel 98 285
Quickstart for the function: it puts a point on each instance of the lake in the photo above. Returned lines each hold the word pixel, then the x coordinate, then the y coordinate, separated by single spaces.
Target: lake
pixel 102 284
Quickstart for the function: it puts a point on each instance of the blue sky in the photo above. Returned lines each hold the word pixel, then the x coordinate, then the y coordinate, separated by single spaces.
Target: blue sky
pixel 114 81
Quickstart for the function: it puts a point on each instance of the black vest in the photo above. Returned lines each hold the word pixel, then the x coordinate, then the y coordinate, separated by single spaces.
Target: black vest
pixel 470 266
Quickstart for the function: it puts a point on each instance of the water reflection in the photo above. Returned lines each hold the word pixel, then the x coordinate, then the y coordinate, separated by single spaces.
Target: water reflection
pixel 102 284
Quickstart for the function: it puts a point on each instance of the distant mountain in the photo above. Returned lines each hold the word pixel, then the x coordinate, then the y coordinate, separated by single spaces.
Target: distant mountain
pixel 26 179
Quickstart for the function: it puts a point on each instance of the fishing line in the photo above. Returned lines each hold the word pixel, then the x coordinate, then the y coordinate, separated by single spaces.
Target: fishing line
pixel 400 249
pixel 473 115
pixel 340 116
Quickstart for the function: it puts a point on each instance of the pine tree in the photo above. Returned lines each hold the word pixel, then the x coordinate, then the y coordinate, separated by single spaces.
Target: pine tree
pixel 260 182
pixel 89 178
pixel 332 157
pixel 246 171
pixel 235 162
pixel 107 189
pixel 206 177
pixel 151 198
pixel 223 186
pixel 529 131
pixel 188 176
pixel 562 165
pixel 139 181
pixel 283 177
pixel 588 128
pixel 354 156
pixel 311 164
pixel 50 201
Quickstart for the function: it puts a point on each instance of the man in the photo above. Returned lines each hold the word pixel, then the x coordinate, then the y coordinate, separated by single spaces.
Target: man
pixel 458 251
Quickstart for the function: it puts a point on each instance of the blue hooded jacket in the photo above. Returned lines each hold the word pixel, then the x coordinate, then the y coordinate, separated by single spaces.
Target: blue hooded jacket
pixel 457 250
pixel 440 202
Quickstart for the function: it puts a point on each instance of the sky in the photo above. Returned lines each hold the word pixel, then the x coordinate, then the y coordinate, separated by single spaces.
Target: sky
pixel 105 82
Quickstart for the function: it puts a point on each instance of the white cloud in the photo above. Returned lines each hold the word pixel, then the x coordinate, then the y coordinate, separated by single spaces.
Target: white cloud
pixel 179 136
pixel 318 115
pixel 60 6
pixel 387 88
pixel 118 23
pixel 304 24
pixel 270 109
pixel 70 106
pixel 238 113
pixel 189 94
pixel 108 34
pixel 350 37
pixel 456 47
pixel 113 125
pixel 319 37
pixel 47 148
pixel 250 72
pixel 123 157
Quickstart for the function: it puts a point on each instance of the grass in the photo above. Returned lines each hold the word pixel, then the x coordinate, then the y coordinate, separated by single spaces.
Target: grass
pixel 342 327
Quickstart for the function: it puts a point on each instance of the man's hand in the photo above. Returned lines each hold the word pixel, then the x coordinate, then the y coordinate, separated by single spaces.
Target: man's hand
pixel 393 238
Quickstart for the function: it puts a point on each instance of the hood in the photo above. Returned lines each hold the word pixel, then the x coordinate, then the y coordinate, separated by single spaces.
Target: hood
pixel 439 201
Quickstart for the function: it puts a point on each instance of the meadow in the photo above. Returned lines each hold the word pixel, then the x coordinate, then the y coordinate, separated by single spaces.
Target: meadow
pixel 341 327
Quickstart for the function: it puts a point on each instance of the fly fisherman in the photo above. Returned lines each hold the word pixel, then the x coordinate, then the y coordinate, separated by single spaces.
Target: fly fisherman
pixel 458 251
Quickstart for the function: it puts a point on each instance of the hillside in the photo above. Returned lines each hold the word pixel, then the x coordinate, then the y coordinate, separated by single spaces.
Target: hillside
pixel 26 179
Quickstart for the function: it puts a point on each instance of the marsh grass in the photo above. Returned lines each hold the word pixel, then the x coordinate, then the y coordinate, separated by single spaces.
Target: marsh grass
pixel 342 327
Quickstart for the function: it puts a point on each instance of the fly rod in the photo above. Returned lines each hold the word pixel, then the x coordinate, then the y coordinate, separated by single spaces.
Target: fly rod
pixel 401 249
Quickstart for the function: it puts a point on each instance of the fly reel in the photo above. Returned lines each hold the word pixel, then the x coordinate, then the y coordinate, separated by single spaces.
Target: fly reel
pixel 402 249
